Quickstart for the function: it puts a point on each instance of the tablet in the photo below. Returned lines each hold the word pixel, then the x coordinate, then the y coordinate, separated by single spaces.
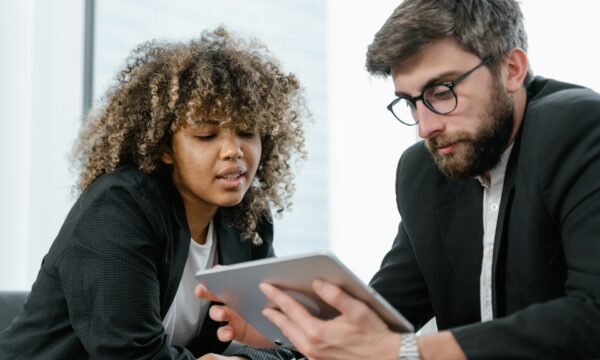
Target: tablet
pixel 237 286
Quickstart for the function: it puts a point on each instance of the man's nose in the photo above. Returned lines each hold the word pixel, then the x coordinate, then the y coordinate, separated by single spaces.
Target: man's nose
pixel 429 122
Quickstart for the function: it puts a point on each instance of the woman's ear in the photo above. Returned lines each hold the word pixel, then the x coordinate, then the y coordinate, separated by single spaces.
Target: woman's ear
pixel 166 155
pixel 516 69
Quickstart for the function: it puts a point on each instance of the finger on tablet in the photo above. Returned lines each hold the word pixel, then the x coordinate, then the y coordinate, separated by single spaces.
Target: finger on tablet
pixel 336 297
pixel 295 311
pixel 202 292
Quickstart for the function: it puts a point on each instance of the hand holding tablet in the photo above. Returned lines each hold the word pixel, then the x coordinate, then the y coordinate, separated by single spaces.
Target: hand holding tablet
pixel 237 286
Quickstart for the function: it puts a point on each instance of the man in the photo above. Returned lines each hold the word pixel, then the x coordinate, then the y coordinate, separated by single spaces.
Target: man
pixel 500 204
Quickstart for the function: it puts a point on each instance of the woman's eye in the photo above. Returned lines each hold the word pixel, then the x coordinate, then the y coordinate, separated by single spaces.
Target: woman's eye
pixel 247 134
pixel 206 136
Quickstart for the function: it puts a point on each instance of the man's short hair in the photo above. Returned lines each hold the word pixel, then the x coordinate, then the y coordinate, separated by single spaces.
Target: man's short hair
pixel 482 27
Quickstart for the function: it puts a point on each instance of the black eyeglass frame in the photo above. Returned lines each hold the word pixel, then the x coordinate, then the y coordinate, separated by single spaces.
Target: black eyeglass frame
pixel 449 84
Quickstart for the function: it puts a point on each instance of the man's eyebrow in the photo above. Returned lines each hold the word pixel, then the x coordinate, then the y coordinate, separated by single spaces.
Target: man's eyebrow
pixel 402 94
pixel 437 79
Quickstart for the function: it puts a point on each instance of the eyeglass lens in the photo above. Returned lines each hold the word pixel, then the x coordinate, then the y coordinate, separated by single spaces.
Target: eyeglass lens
pixel 439 98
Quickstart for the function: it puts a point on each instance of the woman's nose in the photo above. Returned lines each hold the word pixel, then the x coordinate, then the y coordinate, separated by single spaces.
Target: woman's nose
pixel 231 149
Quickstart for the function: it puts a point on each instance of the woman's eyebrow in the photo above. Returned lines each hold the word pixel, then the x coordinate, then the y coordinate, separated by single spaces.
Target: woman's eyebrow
pixel 207 122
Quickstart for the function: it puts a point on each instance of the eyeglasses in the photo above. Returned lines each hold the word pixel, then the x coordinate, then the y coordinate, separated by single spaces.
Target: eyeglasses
pixel 439 98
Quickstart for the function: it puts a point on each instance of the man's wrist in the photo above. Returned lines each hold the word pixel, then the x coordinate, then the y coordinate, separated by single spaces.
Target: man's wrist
pixel 409 349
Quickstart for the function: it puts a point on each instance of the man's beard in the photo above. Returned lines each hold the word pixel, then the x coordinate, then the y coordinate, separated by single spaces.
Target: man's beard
pixel 479 152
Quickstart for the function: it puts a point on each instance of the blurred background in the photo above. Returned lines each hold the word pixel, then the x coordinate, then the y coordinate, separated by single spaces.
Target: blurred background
pixel 59 56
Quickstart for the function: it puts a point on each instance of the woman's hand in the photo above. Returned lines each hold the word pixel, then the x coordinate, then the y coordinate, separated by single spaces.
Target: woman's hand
pixel 236 328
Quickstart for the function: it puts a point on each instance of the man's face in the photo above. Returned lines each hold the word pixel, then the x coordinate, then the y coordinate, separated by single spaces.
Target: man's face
pixel 470 140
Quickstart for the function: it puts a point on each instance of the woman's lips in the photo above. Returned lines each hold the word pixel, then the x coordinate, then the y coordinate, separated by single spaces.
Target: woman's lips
pixel 231 176
pixel 232 179
pixel 231 182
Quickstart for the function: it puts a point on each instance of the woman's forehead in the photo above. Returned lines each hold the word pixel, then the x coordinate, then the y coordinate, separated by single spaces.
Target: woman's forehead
pixel 223 122
pixel 224 114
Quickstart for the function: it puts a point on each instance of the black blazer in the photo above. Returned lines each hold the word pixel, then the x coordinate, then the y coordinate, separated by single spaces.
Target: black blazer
pixel 546 267
pixel 112 272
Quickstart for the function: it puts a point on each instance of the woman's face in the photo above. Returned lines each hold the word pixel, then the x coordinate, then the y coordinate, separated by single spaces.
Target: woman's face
pixel 213 166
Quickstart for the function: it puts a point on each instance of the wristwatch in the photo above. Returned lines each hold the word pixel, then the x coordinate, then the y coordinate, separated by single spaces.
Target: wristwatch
pixel 409 350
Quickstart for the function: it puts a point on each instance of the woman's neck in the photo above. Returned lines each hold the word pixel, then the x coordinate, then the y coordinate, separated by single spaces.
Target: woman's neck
pixel 198 219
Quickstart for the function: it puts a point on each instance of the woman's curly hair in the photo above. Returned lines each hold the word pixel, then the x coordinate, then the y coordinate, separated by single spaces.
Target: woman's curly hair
pixel 165 85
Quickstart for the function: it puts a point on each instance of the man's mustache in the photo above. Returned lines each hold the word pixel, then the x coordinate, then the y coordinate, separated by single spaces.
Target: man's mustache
pixel 440 141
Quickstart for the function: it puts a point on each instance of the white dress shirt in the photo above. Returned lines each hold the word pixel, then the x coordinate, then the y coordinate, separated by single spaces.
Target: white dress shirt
pixel 492 194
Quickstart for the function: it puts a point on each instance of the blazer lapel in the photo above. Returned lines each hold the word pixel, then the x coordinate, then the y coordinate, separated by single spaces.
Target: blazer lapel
pixel 231 249
pixel 177 248
pixel 508 191
pixel 461 227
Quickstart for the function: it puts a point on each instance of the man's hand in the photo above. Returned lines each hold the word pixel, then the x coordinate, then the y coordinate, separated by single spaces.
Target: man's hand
pixel 236 328
pixel 357 333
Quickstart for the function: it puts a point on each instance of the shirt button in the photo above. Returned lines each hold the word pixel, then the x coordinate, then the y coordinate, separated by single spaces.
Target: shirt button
pixel 494 207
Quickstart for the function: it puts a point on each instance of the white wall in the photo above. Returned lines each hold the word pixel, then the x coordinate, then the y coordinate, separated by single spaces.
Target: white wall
pixel 40 113
pixel 563 39
pixel 365 140
pixel 16 89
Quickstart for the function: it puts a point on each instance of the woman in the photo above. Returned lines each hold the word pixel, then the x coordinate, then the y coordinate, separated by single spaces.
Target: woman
pixel 179 170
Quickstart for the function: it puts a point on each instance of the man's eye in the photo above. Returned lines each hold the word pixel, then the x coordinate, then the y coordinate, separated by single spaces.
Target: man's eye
pixel 440 93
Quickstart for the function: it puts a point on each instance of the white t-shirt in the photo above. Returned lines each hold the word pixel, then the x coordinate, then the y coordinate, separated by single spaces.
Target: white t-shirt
pixel 184 319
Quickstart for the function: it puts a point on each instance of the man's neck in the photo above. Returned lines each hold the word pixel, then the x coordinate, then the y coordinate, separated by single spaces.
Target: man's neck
pixel 519 113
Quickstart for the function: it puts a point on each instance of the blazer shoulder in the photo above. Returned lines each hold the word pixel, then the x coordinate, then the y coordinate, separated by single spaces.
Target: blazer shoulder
pixel 416 168
pixel 413 160
pixel 559 110
pixel 125 194
pixel 130 179
pixel 561 124
pixel 156 196
pixel 419 183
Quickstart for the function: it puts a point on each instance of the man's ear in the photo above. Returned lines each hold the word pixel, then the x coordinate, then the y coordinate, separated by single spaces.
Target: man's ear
pixel 516 65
